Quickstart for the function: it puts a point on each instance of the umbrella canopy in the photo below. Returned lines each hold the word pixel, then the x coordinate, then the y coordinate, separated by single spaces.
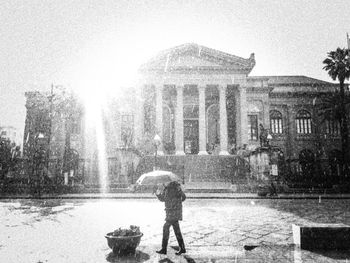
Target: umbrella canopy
pixel 157 177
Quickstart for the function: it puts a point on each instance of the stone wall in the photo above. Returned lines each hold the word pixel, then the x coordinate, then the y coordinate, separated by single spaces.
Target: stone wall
pixel 121 169
pixel 259 164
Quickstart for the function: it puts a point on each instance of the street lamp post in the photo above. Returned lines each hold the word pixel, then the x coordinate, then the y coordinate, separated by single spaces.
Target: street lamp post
pixel 50 97
pixel 269 138
pixel 273 190
pixel 157 141
pixel 37 162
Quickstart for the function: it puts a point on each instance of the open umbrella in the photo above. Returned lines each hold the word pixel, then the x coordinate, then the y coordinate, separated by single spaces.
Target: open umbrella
pixel 157 177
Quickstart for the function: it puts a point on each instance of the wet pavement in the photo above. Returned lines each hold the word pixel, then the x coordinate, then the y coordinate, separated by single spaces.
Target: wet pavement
pixel 215 230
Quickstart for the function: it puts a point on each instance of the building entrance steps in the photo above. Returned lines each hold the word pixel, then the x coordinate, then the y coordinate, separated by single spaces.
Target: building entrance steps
pixel 208 187
pixel 199 168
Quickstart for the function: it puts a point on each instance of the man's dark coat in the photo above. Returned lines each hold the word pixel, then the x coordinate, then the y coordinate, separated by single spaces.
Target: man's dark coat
pixel 173 196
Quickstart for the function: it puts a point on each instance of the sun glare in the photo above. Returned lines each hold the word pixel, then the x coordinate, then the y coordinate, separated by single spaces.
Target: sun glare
pixel 102 69
pixel 105 68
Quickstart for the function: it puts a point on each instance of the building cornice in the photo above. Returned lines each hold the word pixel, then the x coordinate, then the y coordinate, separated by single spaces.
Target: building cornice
pixel 298 94
pixel 259 89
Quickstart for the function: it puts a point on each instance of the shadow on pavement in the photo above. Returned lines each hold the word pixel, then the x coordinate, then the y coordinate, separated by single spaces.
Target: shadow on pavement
pixel 166 260
pixel 185 256
pixel 40 209
pixel 189 259
pixel 139 256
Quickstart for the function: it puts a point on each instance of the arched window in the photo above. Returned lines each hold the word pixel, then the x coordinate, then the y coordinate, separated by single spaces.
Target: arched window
pixel 332 126
pixel 303 122
pixel 76 124
pixel 276 122
pixel 254 110
pixel 253 127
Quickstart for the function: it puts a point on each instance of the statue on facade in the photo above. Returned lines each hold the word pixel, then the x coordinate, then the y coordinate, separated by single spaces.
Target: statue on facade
pixel 264 142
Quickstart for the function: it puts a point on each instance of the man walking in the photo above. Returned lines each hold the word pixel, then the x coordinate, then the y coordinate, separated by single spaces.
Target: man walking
pixel 173 196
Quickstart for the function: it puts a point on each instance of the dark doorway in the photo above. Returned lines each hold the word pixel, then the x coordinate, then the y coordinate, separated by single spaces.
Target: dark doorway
pixel 335 164
pixel 191 134
pixel 307 163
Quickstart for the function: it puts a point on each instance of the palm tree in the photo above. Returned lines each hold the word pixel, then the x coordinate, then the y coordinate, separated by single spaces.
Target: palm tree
pixel 338 66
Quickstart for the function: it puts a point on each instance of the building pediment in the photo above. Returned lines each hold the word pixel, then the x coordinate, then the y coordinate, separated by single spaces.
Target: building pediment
pixel 195 58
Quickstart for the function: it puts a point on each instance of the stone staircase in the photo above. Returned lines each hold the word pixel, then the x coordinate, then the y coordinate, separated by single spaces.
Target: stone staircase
pixel 199 168
pixel 205 187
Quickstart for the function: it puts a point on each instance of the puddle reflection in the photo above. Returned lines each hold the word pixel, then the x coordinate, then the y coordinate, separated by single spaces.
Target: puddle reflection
pixel 138 257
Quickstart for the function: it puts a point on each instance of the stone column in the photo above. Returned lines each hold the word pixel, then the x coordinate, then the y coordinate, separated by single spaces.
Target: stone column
pixel 159 116
pixel 238 117
pixel 266 113
pixel 223 121
pixel 179 122
pixel 202 126
pixel 244 116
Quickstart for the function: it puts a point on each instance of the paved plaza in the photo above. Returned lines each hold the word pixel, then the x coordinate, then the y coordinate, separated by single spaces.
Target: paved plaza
pixel 215 230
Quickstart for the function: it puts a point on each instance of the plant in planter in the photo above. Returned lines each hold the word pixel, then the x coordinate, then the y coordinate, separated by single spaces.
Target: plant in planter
pixel 124 241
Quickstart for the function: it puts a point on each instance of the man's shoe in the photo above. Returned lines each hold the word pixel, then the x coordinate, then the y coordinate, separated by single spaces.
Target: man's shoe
pixel 181 251
pixel 162 251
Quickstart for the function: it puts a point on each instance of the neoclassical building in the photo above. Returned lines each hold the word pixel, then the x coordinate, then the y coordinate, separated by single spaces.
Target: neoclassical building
pixel 206 108
pixel 193 85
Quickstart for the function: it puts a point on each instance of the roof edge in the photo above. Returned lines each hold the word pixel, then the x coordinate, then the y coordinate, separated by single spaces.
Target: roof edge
pixel 298 80
pixel 247 63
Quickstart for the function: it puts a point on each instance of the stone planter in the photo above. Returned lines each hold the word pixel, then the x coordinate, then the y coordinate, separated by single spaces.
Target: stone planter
pixel 123 245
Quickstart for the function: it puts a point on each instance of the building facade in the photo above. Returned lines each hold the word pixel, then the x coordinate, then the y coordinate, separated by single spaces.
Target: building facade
pixel 11 133
pixel 206 109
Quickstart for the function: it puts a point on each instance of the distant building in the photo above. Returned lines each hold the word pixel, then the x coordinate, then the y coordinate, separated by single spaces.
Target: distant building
pixel 207 110
pixel 11 133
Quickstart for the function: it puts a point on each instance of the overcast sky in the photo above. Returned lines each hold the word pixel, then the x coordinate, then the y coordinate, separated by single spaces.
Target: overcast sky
pixel 44 42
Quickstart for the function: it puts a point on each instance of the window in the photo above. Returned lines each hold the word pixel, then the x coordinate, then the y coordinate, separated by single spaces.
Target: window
pixel 76 127
pixel 303 122
pixel 127 128
pixel 276 122
pixel 149 118
pixel 332 127
pixel 253 127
